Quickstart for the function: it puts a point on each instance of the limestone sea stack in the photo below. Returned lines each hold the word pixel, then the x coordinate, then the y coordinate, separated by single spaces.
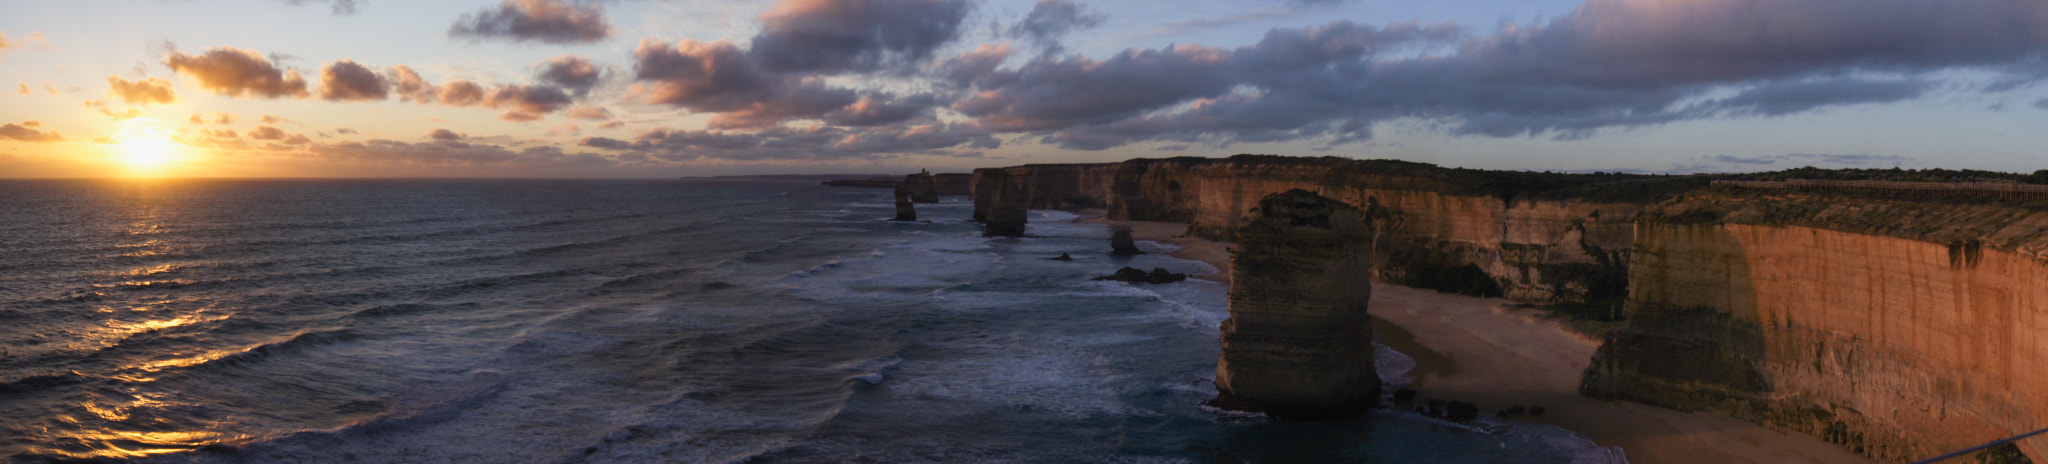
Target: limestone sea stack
pixel 1298 343
pixel 1120 242
pixel 1005 200
pixel 922 187
pixel 904 211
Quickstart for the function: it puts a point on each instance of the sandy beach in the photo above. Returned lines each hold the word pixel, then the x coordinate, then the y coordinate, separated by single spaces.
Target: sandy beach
pixel 1484 351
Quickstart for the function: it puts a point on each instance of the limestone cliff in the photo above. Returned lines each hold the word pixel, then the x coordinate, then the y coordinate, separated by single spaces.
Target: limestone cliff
pixel 953 184
pixel 1900 325
pixel 904 210
pixel 922 187
pixel 1899 329
pixel 1298 342
pixel 999 203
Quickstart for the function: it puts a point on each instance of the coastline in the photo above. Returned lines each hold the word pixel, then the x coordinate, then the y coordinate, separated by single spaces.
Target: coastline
pixel 1489 352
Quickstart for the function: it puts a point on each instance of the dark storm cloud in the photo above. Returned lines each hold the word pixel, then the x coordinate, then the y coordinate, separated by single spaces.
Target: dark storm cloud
pixel 26 132
pixel 571 72
pixel 549 21
pixel 347 81
pixel 1051 20
pixel 142 92
pixel 238 73
pixel 830 36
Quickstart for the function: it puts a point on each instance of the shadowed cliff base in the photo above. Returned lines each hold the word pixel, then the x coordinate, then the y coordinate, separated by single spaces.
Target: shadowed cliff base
pixel 1884 317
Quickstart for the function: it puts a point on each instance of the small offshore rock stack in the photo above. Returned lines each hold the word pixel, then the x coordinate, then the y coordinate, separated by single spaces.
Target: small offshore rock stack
pixel 1005 205
pixel 922 187
pixel 1298 343
pixel 1120 242
pixel 904 211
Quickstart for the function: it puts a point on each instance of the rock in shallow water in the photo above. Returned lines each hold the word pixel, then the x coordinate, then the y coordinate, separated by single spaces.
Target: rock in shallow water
pixel 1157 276
pixel 1298 343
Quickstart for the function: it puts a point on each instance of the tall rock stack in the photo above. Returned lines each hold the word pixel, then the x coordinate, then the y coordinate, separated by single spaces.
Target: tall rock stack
pixel 1298 343
pixel 1005 200
pixel 923 188
pixel 904 211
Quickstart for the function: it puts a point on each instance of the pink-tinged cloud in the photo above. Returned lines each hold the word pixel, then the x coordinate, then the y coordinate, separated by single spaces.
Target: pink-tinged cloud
pixel 548 21
pixel 26 132
pixel 612 125
pixel 832 36
pixel 274 119
pixel 411 87
pixel 592 113
pixel 238 73
pixel 142 92
pixel 24 89
pixel 347 81
pixel 520 102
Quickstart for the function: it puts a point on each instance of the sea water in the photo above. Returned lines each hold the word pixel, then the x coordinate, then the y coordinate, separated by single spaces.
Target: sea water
pixel 620 321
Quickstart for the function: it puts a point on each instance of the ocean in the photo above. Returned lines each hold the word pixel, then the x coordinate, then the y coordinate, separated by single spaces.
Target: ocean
pixel 620 321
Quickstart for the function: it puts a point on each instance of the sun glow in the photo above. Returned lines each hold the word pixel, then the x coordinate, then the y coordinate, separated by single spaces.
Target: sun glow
pixel 143 146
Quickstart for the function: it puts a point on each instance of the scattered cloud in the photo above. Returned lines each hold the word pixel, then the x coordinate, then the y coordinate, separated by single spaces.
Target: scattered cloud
pixel 339 7
pixel 347 81
pixel 142 92
pixel 548 21
pixel 612 125
pixel 592 113
pixel 34 38
pixel 274 119
pixel 444 134
pixel 1051 20
pixel 834 36
pixel 238 73
pixel 26 132
pixel 218 118
pixel 570 72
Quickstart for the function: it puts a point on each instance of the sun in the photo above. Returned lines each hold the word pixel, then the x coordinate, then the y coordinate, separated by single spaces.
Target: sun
pixel 143 146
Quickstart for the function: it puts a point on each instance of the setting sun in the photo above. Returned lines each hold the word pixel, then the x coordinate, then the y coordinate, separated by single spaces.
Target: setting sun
pixel 143 146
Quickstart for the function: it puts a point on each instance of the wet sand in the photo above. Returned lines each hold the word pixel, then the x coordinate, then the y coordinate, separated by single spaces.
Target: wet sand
pixel 1485 351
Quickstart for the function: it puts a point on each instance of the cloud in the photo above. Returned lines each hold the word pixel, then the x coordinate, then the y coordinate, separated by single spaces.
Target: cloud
pixel 525 102
pixel 33 38
pixel 570 72
pixel 347 81
pixel 340 7
pixel 238 73
pixel 26 132
pixel 24 89
pixel 717 77
pixel 832 36
pixel 548 21
pixel 1051 20
pixel 802 143
pixel 449 153
pixel 274 119
pixel 142 92
pixel 410 86
pixel 444 134
pixel 218 118
pixel 612 125
pixel 593 113
pixel 267 133
pixel 1820 158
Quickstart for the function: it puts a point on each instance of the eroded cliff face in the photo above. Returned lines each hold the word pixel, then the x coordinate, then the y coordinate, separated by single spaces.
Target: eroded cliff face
pixel 1898 338
pixel 1298 343
pixel 1900 327
pixel 1444 236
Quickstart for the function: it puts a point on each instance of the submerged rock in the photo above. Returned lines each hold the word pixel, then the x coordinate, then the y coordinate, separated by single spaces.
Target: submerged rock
pixel 1061 257
pixel 1120 242
pixel 1298 343
pixel 904 211
pixel 1157 276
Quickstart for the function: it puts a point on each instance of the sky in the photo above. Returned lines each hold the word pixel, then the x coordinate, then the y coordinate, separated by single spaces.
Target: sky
pixel 652 88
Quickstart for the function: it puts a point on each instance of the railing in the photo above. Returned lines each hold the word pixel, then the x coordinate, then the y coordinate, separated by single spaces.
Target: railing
pixel 1998 189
